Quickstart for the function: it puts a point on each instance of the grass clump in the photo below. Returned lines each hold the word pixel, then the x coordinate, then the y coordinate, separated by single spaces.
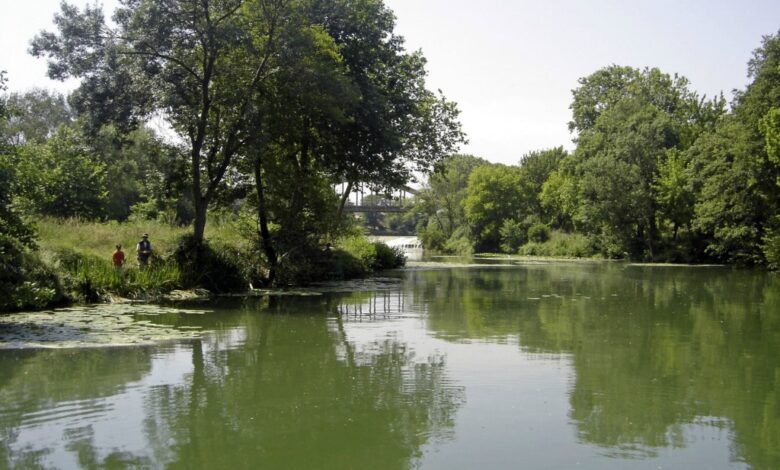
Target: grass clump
pixel 559 244
pixel 90 278
pixel 356 256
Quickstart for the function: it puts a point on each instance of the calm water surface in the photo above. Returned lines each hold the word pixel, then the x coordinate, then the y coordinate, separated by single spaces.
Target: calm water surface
pixel 578 365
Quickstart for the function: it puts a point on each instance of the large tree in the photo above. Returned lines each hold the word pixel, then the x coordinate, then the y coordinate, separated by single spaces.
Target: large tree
pixel 622 175
pixel 198 64
pixel 11 223
pixel 495 194
pixel 347 104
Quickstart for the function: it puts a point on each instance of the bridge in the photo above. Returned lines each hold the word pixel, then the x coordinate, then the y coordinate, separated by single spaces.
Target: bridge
pixel 364 200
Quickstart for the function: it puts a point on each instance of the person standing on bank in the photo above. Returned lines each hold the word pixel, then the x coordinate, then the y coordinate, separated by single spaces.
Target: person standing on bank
pixel 144 251
pixel 118 259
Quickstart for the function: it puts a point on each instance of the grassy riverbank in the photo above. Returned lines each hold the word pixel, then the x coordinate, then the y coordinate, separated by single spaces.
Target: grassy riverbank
pixel 76 257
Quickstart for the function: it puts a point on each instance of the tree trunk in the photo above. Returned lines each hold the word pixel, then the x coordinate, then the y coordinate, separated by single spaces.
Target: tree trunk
pixel 343 200
pixel 201 207
pixel 262 217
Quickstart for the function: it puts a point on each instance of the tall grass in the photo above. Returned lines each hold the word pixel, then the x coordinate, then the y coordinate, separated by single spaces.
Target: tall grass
pixel 99 238
pixel 562 245
pixel 92 278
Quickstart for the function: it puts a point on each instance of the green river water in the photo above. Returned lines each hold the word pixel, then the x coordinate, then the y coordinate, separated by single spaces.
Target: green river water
pixel 592 365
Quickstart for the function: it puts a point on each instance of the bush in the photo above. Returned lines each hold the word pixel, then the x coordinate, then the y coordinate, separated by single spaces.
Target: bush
pixel 512 235
pixel 561 244
pixel 771 250
pixel 459 243
pixel 202 266
pixel 25 281
pixel 388 258
pixel 356 256
pixel 538 233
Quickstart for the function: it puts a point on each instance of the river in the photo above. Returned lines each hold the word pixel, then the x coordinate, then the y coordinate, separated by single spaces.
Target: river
pixel 593 365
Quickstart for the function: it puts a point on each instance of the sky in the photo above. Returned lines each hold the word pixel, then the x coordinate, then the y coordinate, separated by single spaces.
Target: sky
pixel 511 64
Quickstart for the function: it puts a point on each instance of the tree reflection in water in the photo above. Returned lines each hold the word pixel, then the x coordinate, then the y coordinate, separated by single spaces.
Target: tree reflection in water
pixel 276 384
pixel 654 349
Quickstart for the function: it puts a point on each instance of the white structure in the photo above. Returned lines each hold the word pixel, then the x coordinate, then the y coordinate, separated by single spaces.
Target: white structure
pixel 411 246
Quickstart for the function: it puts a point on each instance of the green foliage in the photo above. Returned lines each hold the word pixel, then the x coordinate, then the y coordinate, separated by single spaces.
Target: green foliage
pixel 25 281
pixel 770 127
pixel 561 245
pixel 674 191
pixel 538 233
pixel 441 201
pixel 203 266
pixel 90 278
pixel 610 85
pixel 495 193
pixel 60 179
pixel 537 167
pixel 771 248
pixel 618 161
pixel 369 256
pixel 512 236
pixel 11 222
pixel 763 93
pixel 729 209
pixel 34 117
pixel 559 198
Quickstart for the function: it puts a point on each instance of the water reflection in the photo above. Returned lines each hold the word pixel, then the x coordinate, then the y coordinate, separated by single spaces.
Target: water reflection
pixel 600 365
pixel 658 353
pixel 274 383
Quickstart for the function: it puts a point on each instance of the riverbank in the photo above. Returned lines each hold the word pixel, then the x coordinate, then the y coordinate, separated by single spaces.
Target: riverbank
pixel 73 262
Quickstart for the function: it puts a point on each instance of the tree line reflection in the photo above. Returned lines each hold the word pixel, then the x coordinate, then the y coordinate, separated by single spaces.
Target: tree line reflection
pixel 653 348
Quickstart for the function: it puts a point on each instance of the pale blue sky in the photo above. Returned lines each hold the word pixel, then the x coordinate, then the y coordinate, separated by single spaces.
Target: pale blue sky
pixel 511 65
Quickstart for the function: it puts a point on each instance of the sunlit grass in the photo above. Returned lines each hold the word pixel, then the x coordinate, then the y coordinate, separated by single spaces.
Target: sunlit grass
pixel 99 238
pixel 81 251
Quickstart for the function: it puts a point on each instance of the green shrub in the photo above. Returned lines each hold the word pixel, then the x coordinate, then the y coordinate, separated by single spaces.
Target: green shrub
pixel 512 235
pixel 459 243
pixel 771 250
pixel 432 236
pixel 202 266
pixel 538 233
pixel 25 281
pixel 356 256
pixel 561 244
pixel 387 257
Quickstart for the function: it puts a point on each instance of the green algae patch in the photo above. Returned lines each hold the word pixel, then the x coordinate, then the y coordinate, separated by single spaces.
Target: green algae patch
pixel 92 326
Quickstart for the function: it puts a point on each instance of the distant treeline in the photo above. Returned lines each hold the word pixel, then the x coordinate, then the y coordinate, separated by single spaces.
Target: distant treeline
pixel 658 173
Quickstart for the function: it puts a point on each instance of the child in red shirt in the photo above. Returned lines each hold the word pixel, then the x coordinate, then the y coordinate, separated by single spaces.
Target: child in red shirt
pixel 118 258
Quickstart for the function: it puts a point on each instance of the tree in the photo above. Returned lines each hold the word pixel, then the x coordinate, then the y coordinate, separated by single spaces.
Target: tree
pixel 35 115
pixel 673 191
pixel 198 63
pixel 537 166
pixel 11 223
pixel 628 121
pixel 346 104
pixel 617 166
pixel 60 178
pixel 495 193
pixel 735 169
pixel 441 200
pixel 730 211
pixel 398 127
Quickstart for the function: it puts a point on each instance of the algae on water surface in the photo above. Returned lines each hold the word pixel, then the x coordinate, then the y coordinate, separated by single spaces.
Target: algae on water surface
pixel 91 326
